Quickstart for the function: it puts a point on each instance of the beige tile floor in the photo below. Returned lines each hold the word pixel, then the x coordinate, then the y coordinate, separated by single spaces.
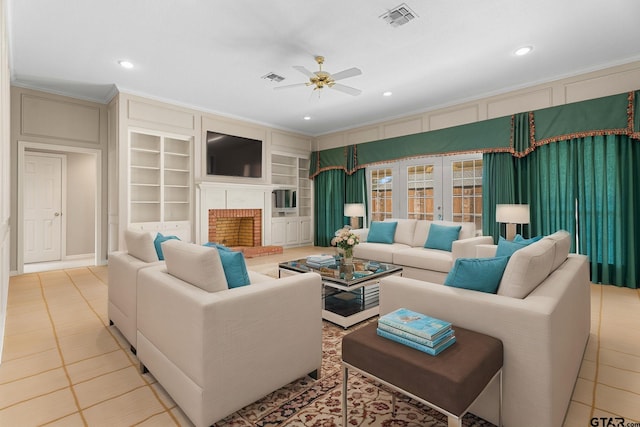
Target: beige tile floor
pixel 63 366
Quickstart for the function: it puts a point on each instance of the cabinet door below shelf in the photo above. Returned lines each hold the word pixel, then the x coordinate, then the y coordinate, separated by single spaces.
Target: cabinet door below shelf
pixel 292 232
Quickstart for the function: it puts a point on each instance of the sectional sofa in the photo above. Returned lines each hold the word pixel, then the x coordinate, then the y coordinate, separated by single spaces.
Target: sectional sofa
pixel 541 312
pixel 407 248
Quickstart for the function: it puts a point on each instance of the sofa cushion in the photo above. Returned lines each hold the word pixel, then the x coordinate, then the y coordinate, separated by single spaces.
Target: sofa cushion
pixel 235 268
pixel 562 240
pixel 477 274
pixel 195 264
pixel 404 231
pixel 527 268
pixel 507 248
pixel 423 258
pixel 157 242
pixel 382 232
pixel 140 245
pixel 442 236
pixel 377 251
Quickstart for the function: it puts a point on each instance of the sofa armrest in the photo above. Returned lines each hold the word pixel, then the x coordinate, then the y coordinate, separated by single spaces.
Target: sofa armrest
pixel 466 248
pixel 486 251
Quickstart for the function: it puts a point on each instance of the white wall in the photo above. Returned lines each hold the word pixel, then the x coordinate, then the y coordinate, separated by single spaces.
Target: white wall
pixel 5 198
pixel 47 122
pixel 81 204
pixel 597 84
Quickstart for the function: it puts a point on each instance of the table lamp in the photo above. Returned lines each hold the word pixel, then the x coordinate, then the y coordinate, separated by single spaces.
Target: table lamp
pixel 355 211
pixel 512 215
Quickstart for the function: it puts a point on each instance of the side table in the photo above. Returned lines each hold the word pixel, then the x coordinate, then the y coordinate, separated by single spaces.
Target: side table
pixel 449 382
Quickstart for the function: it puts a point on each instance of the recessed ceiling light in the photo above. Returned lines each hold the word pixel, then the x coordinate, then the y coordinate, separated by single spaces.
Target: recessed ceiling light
pixel 523 50
pixel 307 117
pixel 387 93
pixel 125 64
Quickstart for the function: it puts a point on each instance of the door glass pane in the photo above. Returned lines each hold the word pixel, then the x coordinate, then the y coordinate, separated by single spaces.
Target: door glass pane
pixel 381 194
pixel 467 191
pixel 420 188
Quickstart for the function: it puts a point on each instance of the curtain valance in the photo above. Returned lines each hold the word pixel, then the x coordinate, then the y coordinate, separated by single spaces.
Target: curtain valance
pixel 518 134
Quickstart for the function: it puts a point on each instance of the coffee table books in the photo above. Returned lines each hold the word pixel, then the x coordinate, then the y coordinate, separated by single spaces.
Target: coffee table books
pixel 416 330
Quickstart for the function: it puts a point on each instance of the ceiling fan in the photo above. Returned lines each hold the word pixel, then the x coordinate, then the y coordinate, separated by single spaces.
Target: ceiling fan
pixel 321 79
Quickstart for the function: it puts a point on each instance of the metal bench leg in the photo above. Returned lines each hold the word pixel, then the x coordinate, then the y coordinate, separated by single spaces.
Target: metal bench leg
pixel 393 405
pixel 345 377
pixel 454 421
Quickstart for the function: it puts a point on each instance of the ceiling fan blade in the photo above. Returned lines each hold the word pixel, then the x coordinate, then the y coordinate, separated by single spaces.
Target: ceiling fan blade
pixel 304 71
pixel 290 86
pixel 346 89
pixel 351 72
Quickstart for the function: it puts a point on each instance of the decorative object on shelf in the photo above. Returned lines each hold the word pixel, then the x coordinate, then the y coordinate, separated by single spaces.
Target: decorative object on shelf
pixel 346 239
pixel 512 215
pixel 355 211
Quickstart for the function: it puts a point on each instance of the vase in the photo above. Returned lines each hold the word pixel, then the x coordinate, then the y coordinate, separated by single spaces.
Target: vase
pixel 348 255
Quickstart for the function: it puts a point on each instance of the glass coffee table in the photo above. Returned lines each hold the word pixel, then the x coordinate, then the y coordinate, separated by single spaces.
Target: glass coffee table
pixel 348 298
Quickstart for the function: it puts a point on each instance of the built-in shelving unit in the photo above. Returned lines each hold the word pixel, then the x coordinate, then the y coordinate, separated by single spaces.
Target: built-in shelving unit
pixel 159 181
pixel 291 220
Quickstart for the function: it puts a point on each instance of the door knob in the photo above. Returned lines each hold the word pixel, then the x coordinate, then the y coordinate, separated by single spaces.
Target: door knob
pixel 57 214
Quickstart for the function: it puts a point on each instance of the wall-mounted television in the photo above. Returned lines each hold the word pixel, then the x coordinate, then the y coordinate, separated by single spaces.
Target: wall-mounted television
pixel 229 155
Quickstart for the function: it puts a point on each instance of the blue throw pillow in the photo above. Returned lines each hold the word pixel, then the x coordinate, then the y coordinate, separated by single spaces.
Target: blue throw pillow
pixel 382 231
pixel 477 274
pixel 233 264
pixel 521 239
pixel 442 236
pixel 157 242
pixel 507 248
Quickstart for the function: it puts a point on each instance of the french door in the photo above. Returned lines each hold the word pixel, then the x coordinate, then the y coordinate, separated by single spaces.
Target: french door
pixel 434 188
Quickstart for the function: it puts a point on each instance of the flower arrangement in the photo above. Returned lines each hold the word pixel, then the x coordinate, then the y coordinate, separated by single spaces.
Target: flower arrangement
pixel 345 239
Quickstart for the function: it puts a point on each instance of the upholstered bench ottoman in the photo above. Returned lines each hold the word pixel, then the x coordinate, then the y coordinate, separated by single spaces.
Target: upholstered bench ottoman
pixel 449 382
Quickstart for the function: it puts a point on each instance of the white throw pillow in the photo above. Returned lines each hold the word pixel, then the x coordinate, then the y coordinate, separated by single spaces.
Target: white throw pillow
pixel 195 264
pixel 527 268
pixel 404 230
pixel 140 245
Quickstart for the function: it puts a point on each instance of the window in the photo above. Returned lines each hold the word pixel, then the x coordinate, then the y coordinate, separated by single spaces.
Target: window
pixel 467 191
pixel 381 194
pixel 420 191
pixel 433 188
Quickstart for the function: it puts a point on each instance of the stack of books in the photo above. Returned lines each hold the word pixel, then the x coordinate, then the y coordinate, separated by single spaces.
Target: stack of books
pixel 320 261
pixel 417 330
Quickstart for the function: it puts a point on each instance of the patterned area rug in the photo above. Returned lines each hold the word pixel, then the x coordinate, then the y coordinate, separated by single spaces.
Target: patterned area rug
pixel 310 403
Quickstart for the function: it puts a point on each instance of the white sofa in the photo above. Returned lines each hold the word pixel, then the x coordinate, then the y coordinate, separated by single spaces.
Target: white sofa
pixel 123 268
pixel 216 350
pixel 544 326
pixel 408 249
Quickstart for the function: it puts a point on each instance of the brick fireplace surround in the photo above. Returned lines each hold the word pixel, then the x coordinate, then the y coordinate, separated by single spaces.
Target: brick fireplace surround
pixel 247 231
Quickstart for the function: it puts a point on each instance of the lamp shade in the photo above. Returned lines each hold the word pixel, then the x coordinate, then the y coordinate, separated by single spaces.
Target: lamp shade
pixel 354 209
pixel 512 214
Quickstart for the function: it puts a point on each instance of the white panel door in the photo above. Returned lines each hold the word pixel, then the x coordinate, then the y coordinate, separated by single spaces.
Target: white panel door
pixel 42 207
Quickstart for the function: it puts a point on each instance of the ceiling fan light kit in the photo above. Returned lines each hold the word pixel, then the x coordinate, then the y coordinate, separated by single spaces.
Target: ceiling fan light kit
pixel 321 79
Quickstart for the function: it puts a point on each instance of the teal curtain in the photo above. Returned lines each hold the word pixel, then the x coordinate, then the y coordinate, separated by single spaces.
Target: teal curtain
pixel 588 186
pixel 608 202
pixel 498 187
pixel 328 205
pixel 356 191
pixel 552 181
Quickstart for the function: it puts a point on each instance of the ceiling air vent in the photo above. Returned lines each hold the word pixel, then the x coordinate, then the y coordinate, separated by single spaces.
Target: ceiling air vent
pixel 399 15
pixel 273 77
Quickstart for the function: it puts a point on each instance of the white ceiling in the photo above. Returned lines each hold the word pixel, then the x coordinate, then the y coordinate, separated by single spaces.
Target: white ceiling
pixel 211 54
